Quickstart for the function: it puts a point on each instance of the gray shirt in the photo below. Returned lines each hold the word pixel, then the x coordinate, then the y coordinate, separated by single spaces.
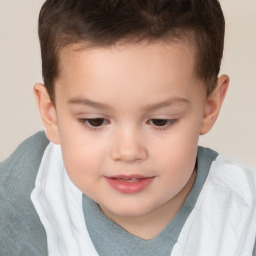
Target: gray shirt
pixel 112 240
pixel 21 232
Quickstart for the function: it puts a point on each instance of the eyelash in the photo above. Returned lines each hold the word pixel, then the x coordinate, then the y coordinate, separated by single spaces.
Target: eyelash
pixel 87 124
pixel 163 124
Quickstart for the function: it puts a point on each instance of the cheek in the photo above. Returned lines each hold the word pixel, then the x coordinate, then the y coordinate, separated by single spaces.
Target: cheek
pixel 179 161
pixel 83 158
pixel 177 168
pixel 179 146
pixel 78 146
pixel 176 153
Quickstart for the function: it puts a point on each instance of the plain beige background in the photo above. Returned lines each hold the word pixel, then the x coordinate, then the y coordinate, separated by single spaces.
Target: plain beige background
pixel 234 134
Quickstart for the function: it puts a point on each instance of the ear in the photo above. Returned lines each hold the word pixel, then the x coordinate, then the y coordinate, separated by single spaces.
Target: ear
pixel 213 104
pixel 48 113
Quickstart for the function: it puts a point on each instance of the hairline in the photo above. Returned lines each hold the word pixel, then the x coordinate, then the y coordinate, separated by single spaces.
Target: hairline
pixel 186 37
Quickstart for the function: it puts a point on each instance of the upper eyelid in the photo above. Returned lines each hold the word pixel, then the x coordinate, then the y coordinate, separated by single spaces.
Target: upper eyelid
pixel 92 128
pixel 84 121
pixel 170 124
pixel 150 119
pixel 163 119
pixel 86 125
pixel 94 118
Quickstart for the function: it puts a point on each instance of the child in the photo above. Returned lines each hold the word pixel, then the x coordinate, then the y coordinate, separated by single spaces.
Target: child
pixel 128 88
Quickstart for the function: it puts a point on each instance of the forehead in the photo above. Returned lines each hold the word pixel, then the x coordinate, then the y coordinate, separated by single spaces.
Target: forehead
pixel 156 68
pixel 156 51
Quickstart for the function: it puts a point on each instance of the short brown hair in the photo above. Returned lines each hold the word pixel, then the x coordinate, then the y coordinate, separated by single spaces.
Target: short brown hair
pixel 103 23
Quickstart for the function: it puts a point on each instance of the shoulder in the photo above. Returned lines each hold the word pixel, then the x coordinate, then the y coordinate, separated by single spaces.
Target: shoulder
pixel 234 177
pixel 33 146
pixel 23 163
pixel 227 202
pixel 21 229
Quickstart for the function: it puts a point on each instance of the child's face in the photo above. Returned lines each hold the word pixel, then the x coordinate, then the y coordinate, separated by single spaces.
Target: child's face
pixel 128 121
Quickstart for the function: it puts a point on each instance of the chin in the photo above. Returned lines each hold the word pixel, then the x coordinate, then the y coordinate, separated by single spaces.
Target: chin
pixel 127 210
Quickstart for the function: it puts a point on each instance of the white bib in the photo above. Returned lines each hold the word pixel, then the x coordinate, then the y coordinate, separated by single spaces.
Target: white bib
pixel 58 203
pixel 223 222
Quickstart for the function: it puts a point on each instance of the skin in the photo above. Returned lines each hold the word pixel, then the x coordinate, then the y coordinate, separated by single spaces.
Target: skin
pixel 128 87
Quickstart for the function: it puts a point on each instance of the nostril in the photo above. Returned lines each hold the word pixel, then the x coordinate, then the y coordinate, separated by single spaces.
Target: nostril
pixel 129 155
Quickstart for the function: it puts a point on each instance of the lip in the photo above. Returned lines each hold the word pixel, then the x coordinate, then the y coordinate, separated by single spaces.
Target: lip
pixel 129 184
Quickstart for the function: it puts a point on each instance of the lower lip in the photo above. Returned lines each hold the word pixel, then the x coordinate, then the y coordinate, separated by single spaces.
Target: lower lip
pixel 127 187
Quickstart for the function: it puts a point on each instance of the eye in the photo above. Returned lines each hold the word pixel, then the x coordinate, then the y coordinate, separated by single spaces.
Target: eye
pixel 163 123
pixel 94 123
pixel 159 122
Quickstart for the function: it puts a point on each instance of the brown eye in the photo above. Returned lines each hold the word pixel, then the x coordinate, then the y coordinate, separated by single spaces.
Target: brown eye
pixel 96 122
pixel 162 124
pixel 159 122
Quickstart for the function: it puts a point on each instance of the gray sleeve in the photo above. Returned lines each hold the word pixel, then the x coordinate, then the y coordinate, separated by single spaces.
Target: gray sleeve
pixel 21 232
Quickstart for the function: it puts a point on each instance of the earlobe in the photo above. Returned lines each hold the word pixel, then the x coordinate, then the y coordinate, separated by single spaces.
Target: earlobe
pixel 47 112
pixel 213 104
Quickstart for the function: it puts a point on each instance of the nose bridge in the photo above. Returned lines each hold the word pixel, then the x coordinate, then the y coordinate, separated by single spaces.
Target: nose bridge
pixel 128 145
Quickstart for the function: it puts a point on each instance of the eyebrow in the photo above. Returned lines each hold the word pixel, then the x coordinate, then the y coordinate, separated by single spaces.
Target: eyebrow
pixel 98 105
pixel 166 103
pixel 87 102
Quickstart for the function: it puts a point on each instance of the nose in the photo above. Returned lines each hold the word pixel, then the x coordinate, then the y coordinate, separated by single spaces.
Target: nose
pixel 129 147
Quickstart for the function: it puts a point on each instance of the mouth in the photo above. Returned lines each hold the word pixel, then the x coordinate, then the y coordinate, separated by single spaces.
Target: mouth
pixel 129 184
pixel 128 180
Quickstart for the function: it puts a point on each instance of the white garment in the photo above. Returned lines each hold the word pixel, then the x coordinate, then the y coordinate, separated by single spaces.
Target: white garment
pixel 59 206
pixel 223 222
